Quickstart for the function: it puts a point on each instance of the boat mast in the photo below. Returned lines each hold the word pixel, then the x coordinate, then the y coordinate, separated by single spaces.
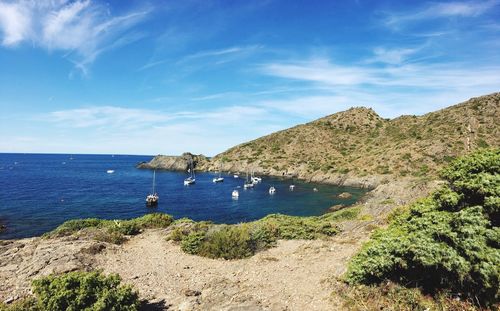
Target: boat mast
pixel 154 177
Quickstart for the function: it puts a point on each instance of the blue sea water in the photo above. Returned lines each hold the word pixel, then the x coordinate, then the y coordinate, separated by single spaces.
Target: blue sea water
pixel 38 192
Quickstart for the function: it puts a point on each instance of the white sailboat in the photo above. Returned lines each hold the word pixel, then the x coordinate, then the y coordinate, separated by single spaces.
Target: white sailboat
pixel 191 179
pixel 248 183
pixel 220 178
pixel 255 179
pixel 152 198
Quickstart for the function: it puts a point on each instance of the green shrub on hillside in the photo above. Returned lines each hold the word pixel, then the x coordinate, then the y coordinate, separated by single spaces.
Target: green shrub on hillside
pixel 449 240
pixel 244 240
pixel 112 230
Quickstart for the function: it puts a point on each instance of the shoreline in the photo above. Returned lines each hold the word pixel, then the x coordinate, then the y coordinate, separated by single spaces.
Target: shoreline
pixel 372 196
pixel 29 258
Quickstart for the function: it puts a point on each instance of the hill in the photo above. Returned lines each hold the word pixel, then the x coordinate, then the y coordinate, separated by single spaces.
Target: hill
pixel 358 147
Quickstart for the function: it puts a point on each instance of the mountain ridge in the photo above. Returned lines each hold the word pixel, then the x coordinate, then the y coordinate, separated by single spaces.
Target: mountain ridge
pixel 357 147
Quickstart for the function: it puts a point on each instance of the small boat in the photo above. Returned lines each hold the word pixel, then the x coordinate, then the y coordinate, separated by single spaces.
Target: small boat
pixel 236 175
pixel 152 198
pixel 291 187
pixel 315 189
pixel 191 179
pixel 235 194
pixel 110 171
pixel 248 183
pixel 255 179
pixel 220 178
pixel 272 190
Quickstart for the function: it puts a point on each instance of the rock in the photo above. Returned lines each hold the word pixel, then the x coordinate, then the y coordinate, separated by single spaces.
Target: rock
pixel 345 195
pixel 335 208
pixel 174 163
pixel 94 249
pixel 191 292
pixel 10 299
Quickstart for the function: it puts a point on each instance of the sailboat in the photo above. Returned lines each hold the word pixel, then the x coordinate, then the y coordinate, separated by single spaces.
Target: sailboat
pixel 152 198
pixel 191 179
pixel 255 179
pixel 220 178
pixel 272 190
pixel 248 183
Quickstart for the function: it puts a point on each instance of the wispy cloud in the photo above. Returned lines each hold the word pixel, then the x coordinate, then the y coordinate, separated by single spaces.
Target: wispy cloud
pixel 392 56
pixel 107 116
pixel 324 72
pixel 196 131
pixel 82 29
pixel 435 10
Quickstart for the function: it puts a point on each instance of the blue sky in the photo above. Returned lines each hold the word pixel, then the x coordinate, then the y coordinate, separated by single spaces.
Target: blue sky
pixel 166 77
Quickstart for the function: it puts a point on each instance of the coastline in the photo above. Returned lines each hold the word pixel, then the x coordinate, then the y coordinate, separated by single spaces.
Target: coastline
pixel 204 164
pixel 26 259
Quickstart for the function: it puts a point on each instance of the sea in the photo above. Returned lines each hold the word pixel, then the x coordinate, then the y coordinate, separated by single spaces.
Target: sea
pixel 38 192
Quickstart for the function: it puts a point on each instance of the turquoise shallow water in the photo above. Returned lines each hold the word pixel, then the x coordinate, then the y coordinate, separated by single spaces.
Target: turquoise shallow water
pixel 38 192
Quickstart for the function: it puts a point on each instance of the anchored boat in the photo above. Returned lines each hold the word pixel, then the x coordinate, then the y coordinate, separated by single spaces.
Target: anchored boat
pixel 152 198
pixel 191 179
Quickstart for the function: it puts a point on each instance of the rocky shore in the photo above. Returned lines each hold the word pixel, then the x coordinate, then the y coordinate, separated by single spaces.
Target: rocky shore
pixel 202 163
pixel 295 275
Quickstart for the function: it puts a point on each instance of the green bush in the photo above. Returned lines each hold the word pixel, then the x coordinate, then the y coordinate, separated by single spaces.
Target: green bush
pixel 83 291
pixel 192 242
pixel 244 240
pixel 229 242
pixel 449 240
pixel 112 230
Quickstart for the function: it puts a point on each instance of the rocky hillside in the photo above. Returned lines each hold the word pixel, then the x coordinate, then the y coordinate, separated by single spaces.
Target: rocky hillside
pixel 358 147
pixel 175 163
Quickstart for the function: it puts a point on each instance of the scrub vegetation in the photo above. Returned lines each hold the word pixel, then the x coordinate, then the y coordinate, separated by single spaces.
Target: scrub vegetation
pixel 244 240
pixel 448 242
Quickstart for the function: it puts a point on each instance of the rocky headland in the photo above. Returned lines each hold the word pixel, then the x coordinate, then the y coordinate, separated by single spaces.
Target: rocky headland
pixel 175 163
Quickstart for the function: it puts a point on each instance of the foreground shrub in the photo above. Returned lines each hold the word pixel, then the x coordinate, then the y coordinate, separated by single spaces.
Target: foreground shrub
pixel 84 291
pixel 447 241
pixel 90 291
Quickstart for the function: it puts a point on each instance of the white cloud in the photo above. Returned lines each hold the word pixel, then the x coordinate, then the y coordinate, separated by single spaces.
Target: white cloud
pixel 442 10
pixel 318 70
pixel 14 23
pixel 106 116
pixel 392 56
pixel 324 72
pixel 81 28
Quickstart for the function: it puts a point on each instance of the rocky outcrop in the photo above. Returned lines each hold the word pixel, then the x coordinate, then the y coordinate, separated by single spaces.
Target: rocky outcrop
pixel 175 163
pixel 345 195
pixel 24 260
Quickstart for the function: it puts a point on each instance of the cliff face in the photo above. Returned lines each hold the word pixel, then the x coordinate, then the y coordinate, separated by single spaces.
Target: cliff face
pixel 358 147
pixel 175 163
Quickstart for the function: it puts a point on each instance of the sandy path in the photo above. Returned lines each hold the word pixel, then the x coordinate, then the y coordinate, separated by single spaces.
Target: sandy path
pixel 289 277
